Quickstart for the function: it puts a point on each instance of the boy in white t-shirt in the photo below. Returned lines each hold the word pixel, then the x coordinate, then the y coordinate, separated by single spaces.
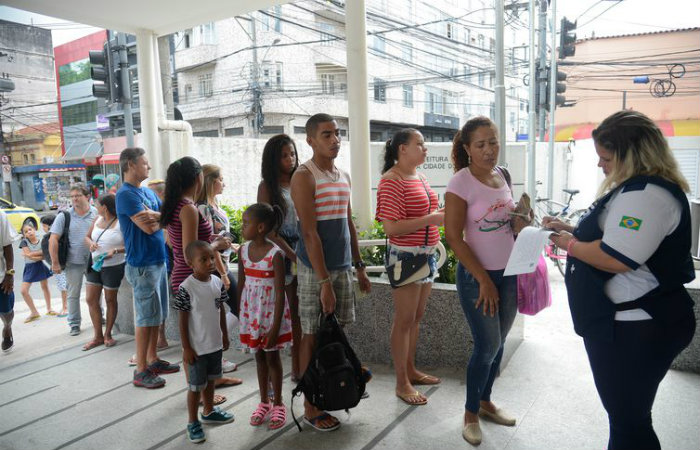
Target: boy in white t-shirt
pixel 204 336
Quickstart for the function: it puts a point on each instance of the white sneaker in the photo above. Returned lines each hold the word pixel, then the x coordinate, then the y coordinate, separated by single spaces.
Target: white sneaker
pixel 228 366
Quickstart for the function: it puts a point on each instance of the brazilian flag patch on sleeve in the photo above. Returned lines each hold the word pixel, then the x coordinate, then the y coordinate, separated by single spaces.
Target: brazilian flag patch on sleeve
pixel 631 223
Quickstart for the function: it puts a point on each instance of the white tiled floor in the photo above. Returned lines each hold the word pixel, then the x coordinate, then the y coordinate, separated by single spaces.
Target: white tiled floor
pixel 53 395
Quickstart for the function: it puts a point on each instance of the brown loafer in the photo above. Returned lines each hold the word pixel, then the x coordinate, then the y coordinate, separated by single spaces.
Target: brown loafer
pixel 472 433
pixel 499 417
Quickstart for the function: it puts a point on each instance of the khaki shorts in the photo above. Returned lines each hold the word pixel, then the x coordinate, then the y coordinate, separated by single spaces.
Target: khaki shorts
pixel 309 292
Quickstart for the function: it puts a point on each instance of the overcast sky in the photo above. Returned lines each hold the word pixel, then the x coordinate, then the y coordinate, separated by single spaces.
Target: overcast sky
pixel 622 17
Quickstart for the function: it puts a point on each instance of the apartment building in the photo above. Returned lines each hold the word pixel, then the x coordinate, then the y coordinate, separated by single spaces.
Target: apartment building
pixel 431 66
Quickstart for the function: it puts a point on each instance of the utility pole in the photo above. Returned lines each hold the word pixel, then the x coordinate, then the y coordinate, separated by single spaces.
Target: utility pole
pixel 6 85
pixel 541 76
pixel 500 88
pixel 166 79
pixel 553 101
pixel 257 93
pixel 126 89
pixel 532 117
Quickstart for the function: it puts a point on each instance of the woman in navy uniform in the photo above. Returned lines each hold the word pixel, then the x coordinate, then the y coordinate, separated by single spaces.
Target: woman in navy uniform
pixel 628 260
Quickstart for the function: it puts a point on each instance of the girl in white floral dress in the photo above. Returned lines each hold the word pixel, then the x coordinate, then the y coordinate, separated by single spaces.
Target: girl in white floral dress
pixel 265 323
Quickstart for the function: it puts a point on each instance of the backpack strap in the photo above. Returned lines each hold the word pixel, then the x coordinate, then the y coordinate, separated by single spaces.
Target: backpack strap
pixel 66 221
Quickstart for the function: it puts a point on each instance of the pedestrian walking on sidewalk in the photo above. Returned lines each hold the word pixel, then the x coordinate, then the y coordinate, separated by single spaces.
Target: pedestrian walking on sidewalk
pixel 628 260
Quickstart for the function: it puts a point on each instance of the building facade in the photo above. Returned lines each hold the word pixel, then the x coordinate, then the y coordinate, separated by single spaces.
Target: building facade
pixel 601 80
pixel 26 59
pixel 431 66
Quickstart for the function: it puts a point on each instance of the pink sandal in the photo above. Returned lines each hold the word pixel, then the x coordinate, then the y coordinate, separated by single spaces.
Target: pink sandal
pixel 260 414
pixel 278 417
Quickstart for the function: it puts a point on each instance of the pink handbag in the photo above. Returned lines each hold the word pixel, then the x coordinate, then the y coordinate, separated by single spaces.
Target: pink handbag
pixel 534 294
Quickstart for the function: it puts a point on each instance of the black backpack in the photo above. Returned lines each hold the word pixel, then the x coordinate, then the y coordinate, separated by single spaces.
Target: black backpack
pixel 63 243
pixel 334 379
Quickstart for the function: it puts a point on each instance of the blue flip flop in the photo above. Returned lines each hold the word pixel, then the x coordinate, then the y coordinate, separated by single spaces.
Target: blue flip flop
pixel 314 422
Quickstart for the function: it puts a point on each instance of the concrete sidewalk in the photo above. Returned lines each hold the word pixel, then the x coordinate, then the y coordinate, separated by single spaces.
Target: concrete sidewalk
pixel 54 396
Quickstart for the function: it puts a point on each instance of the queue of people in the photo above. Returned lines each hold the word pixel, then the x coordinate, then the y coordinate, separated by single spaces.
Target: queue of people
pixel 628 260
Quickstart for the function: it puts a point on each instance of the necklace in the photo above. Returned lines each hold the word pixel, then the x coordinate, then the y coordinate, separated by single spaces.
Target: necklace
pixel 333 175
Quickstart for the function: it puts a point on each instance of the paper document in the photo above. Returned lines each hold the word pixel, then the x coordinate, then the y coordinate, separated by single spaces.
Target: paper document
pixel 526 251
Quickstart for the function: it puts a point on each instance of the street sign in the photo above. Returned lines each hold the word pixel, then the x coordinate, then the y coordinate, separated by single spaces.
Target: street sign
pixel 6 173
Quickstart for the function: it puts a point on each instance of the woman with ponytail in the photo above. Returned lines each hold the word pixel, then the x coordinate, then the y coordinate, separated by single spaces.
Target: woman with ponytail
pixel 184 224
pixel 477 226
pixel 408 209
pixel 209 209
pixel 279 161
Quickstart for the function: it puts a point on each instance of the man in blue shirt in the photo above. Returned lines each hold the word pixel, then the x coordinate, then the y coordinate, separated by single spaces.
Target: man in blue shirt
pixel 138 213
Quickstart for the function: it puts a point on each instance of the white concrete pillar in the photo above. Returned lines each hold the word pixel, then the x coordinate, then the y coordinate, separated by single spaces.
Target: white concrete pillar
pixel 358 111
pixel 149 98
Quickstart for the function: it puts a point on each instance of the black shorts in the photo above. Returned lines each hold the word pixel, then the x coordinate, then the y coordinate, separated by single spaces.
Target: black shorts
pixel 205 368
pixel 109 277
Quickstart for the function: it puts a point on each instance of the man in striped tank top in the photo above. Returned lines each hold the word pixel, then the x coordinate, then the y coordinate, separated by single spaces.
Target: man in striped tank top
pixel 328 249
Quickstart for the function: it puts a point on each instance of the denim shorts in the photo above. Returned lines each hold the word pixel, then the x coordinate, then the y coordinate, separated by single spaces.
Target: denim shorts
pixel 150 285
pixel 399 253
pixel 7 302
pixel 205 368
pixel 109 277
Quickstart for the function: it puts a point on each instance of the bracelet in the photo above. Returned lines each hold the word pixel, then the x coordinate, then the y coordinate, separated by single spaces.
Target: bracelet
pixel 325 280
pixel 570 245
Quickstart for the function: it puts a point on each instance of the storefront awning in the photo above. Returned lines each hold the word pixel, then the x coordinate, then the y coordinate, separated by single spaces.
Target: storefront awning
pixel 110 158
pixel 82 150
pixel 670 128
pixel 48 168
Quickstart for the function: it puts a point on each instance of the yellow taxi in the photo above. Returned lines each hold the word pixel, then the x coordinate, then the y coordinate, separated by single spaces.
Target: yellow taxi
pixel 18 215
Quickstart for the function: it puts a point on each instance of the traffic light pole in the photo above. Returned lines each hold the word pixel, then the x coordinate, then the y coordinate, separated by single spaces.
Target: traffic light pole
pixel 126 89
pixel 552 101
pixel 541 81
pixel 500 88
pixel 532 116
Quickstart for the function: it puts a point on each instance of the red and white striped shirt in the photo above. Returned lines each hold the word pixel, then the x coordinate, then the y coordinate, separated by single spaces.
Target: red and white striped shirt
pixel 407 199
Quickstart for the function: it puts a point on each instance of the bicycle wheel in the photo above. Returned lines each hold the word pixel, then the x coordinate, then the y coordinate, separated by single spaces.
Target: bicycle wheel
pixel 574 217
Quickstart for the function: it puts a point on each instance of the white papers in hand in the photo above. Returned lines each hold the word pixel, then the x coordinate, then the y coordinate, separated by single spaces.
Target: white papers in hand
pixel 526 251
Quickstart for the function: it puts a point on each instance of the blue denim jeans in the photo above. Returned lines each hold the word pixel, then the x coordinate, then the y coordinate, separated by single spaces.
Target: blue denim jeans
pixel 489 333
pixel 150 285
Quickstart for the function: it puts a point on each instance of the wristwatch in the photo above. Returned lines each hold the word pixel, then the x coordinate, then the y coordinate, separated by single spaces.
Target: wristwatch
pixel 10 272
pixel 359 264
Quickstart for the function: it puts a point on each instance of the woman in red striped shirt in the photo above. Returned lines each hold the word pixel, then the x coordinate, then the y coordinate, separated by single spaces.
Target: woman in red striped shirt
pixel 408 209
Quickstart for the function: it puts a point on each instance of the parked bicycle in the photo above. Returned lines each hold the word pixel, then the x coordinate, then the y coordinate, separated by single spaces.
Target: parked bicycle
pixel 562 211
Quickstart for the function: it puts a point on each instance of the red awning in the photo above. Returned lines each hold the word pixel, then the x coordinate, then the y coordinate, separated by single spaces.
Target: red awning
pixel 109 158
